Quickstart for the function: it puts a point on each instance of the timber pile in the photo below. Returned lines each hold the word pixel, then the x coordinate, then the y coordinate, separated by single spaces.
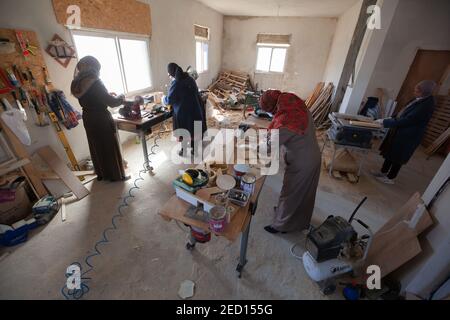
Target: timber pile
pixel 435 135
pixel 440 141
pixel 315 94
pixel 230 82
pixel 319 103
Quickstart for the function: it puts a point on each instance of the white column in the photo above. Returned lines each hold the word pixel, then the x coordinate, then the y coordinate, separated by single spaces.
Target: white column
pixel 368 57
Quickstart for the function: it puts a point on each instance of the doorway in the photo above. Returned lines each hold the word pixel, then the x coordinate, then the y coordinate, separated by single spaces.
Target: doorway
pixel 427 65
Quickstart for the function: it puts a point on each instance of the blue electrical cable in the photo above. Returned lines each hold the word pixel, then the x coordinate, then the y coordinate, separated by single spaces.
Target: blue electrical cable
pixel 76 294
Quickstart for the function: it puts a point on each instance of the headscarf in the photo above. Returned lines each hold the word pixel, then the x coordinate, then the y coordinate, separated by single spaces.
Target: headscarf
pixel 290 111
pixel 427 87
pixel 175 71
pixel 87 72
pixel 269 100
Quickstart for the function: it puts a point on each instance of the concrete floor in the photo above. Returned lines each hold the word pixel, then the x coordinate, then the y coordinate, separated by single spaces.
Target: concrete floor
pixel 147 259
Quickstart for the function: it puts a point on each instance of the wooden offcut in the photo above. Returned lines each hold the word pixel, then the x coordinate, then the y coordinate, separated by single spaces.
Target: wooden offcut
pixel 128 16
pixel 63 171
pixel 365 124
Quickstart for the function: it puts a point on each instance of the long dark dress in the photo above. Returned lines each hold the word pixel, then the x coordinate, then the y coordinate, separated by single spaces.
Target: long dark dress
pixel 301 178
pixel 101 132
pixel 406 131
pixel 187 106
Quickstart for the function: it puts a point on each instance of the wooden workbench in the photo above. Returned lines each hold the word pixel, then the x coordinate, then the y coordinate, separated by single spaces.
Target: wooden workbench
pixel 142 127
pixel 175 209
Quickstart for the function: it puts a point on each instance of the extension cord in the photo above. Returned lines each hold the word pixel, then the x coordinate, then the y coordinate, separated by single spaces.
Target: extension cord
pixel 77 294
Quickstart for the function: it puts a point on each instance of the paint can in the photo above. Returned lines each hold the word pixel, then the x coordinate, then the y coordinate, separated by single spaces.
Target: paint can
pixel 248 183
pixel 218 219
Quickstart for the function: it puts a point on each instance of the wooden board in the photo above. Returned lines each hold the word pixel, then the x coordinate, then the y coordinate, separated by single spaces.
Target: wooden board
pixel 14 166
pixel 393 249
pixel 406 212
pixel 61 169
pixel 54 176
pixel 428 64
pixel 129 16
pixel 365 124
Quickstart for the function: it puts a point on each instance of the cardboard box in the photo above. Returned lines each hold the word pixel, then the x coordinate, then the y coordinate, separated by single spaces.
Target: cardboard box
pixel 20 208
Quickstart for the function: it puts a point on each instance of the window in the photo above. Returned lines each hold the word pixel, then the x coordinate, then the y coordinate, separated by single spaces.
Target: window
pixel 125 60
pixel 271 59
pixel 272 51
pixel 201 48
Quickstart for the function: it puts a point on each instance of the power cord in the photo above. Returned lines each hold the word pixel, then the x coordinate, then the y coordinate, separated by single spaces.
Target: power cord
pixel 76 294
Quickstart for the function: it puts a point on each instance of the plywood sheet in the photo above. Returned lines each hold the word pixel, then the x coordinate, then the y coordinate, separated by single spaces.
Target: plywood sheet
pixel 66 175
pixel 393 248
pixel 129 16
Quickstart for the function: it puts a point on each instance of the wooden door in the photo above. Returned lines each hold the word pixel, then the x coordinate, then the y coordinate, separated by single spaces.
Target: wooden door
pixel 428 65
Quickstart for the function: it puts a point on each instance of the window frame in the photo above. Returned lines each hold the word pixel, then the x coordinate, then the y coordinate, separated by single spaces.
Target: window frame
pixel 202 41
pixel 272 47
pixel 117 36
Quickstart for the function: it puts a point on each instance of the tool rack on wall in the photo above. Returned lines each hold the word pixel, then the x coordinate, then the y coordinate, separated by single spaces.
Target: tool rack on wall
pixel 24 82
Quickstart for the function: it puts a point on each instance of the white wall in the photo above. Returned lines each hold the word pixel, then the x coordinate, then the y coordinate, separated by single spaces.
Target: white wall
pixel 431 267
pixel 38 16
pixel 417 24
pixel 371 48
pixel 172 40
pixel 341 43
pixel 307 57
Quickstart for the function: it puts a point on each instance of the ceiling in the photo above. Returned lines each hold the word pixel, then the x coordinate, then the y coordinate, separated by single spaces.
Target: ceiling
pixel 282 8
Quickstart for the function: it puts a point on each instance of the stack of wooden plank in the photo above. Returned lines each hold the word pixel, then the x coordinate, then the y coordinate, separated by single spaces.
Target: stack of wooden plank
pixel 437 132
pixel 320 104
pixel 230 82
pixel 315 94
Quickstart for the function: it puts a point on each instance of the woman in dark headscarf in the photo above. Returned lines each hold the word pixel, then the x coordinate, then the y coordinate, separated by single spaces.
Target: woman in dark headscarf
pixel 98 122
pixel 297 134
pixel 406 131
pixel 186 102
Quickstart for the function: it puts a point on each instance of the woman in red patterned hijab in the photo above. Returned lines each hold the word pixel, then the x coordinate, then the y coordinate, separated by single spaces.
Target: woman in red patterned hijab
pixel 297 133
pixel 289 111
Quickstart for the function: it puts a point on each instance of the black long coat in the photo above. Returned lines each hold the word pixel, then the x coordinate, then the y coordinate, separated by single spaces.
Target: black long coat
pixel 187 106
pixel 406 131
pixel 101 132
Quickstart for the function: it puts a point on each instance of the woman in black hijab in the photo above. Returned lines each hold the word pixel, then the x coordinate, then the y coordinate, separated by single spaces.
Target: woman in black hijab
pixel 186 102
pixel 98 122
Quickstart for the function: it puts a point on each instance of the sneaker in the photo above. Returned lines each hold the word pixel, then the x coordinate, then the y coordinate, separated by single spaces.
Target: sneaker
pixel 385 180
pixel 377 174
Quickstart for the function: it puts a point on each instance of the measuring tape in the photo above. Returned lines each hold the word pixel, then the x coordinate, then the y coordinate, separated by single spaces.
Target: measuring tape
pixel 62 137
